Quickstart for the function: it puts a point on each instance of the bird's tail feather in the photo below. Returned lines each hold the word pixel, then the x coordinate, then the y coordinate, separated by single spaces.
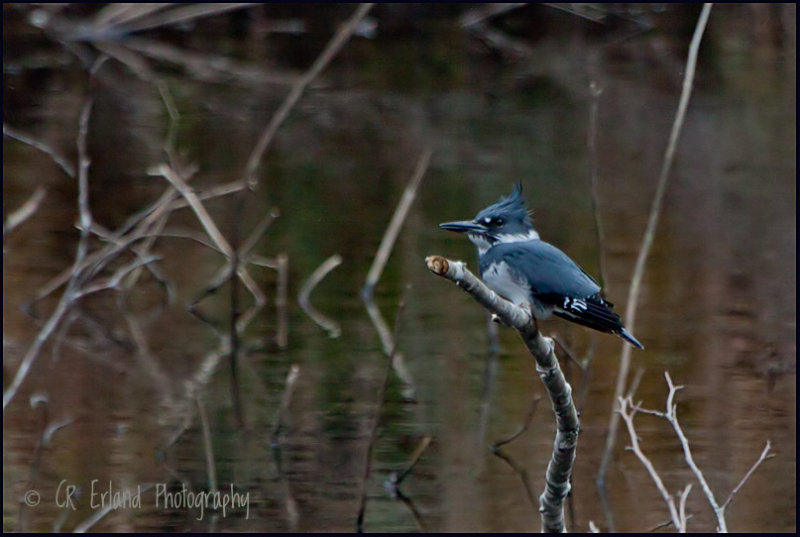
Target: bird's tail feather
pixel 595 313
pixel 627 336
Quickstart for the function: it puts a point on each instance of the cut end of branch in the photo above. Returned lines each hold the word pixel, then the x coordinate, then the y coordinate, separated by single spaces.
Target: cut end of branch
pixel 437 264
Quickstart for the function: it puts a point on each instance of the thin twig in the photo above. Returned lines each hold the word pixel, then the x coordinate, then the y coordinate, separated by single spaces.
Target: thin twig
pixel 250 242
pixel 24 212
pixel 291 380
pixel 672 416
pixel 208 67
pixel 183 13
pixel 135 228
pixel 758 462
pixel 235 311
pixel 409 389
pixel 376 418
pixel 332 48
pixel 67 298
pixel 520 471
pixel 627 411
pixel 282 301
pixel 423 445
pixel 61 161
pixel 596 91
pixel 684 495
pixel 200 211
pixel 329 325
pixel 481 14
pixel 219 240
pixel 411 507
pixel 649 235
pixel 396 223
pixel 665 524
pixel 522 428
pixel 211 467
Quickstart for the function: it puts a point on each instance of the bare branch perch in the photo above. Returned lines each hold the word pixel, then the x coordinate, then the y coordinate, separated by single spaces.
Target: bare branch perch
pixel 559 469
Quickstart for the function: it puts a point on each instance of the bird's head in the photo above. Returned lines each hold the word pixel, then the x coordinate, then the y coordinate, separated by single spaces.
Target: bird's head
pixel 508 220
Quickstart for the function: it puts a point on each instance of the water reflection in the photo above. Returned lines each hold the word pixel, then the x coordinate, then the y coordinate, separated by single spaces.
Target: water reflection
pixel 125 376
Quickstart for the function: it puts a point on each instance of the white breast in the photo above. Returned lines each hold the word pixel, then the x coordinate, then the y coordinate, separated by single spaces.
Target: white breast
pixel 507 284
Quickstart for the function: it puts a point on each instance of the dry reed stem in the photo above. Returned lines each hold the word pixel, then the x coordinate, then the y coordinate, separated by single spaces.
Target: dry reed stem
pixel 396 223
pixel 16 218
pixel 379 263
pixel 596 91
pixel 327 324
pixel 286 399
pixel 134 229
pixel 182 13
pixel 60 160
pixel 376 418
pixel 68 297
pixel 219 240
pixel 208 67
pixel 521 472
pixel 480 14
pixel 331 49
pixel 415 457
pixel 211 467
pixel 649 235
pixel 282 301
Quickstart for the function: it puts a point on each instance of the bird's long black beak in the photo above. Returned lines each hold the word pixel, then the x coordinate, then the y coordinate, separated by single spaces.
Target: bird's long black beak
pixel 463 227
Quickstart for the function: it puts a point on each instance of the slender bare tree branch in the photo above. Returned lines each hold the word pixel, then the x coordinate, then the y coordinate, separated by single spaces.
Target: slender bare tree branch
pixel 342 35
pixel 393 230
pixel 649 235
pixel 24 212
pixel 329 325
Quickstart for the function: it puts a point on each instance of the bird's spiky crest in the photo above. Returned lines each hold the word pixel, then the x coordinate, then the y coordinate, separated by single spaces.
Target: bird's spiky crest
pixel 512 205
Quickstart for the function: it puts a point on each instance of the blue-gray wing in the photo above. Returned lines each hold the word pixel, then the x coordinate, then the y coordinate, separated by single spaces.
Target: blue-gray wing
pixel 548 270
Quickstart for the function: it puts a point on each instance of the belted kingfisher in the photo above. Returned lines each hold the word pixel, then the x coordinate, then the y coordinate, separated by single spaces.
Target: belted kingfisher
pixel 519 266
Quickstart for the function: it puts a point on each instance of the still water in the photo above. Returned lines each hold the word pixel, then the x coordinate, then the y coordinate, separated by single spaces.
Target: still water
pixel 117 400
